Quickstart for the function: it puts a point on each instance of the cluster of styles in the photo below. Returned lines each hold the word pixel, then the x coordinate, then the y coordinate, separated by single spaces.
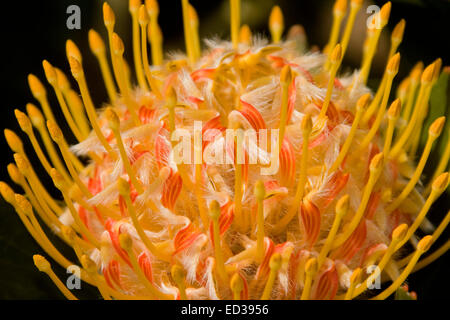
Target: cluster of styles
pixel 341 211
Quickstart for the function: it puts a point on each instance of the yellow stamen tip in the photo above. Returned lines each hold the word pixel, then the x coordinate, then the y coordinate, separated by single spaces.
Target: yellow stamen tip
pixel 36 86
pixel 112 118
pixel 425 243
pixel 134 5
pixel 385 12
pixel 55 131
pixel 340 7
pixel 260 190
pixel 428 74
pixel 436 127
pixel 357 3
pixel 13 141
pixel 437 68
pixel 336 53
pixel 393 64
pixel 62 81
pixel 342 206
pixel 68 233
pixel 22 163
pixel 311 266
pixel 276 23
pixel 394 109
pixel 441 182
pixel 152 7
pixel 275 261
pixel 126 243
pixel 214 210
pixel 398 32
pixel 75 68
pixel 41 263
pixel 286 74
pixel 245 35
pixel 144 19
pixel 109 17
pixel 7 193
pixel 117 44
pixel 50 72
pixel 58 179
pixel 192 15
pixel 236 283
pixel 73 51
pixel 377 162
pixel 23 120
pixel 399 232
pixel 96 42
pixel 307 124
pixel 363 102
pixel 24 204
pixel 124 187
pixel 35 115
pixel 14 173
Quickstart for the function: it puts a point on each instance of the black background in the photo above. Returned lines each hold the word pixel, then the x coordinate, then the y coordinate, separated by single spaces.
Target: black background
pixel 35 30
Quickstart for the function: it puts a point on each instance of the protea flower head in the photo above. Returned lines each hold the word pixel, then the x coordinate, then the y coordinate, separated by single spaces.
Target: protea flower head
pixel 247 170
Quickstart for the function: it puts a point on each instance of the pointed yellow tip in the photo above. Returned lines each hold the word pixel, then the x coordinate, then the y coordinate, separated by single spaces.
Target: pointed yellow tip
pixel 55 131
pixel 385 12
pixel 214 210
pixel 112 118
pixel 307 124
pixel 437 68
pixel 441 182
pixel 425 243
pixel 133 6
pixel 75 68
pixel 49 71
pixel 152 7
pixel 192 15
pixel 126 242
pixel 436 127
pixel 22 163
pixel 398 32
pixel 394 109
pixel 23 120
pixel 73 51
pixel 245 35
pixel 58 179
pixel 416 71
pixel 342 206
pixel 36 87
pixel 428 74
pixel 336 53
pixel 400 232
pixel 117 44
pixel 23 204
pixel 41 263
pixel 35 115
pixel 109 17
pixel 14 173
pixel 7 193
pixel 276 22
pixel 363 102
pixel 286 74
pixel 144 19
pixel 393 64
pixel 275 261
pixel 357 3
pixel 61 80
pixel 377 162
pixel 123 186
pixel 340 7
pixel 260 190
pixel 13 141
pixel 96 42
pixel 236 283
pixel 311 266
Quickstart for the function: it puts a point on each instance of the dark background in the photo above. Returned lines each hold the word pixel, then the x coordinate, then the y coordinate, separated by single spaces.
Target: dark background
pixel 35 30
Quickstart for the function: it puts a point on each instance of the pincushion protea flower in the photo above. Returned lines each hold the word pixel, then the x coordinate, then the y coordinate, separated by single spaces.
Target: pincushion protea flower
pixel 346 196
